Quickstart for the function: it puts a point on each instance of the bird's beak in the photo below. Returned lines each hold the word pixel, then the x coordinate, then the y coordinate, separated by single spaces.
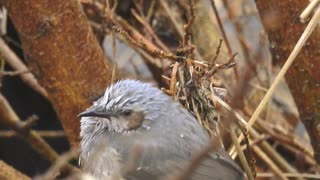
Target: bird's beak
pixel 94 112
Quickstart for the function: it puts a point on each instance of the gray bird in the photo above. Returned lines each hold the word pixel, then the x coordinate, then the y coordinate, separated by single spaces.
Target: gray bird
pixel 133 116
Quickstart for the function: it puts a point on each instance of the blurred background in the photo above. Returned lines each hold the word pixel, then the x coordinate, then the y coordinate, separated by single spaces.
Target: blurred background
pixel 235 47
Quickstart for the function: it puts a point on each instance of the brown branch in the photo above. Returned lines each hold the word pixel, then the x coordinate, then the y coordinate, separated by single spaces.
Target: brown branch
pixel 214 68
pixel 11 58
pixel 205 33
pixel 272 153
pixel 173 79
pixel 134 37
pixel 9 118
pixel 42 133
pixel 13 73
pixel 58 165
pixel 178 25
pixel 8 172
pixel 137 40
pixel 151 54
pixel 64 54
pixel 187 27
pixel 149 29
pixel 25 126
pixel 291 175
pixel 270 163
pixel 223 32
pixel 264 145
pixel 284 138
pixel 242 158
pixel 165 5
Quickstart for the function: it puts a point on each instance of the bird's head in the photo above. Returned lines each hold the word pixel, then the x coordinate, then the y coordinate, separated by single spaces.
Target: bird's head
pixel 126 105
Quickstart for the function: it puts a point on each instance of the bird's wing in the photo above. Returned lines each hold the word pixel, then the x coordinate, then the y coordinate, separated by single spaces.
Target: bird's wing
pixel 218 166
pixel 153 159
pixel 157 162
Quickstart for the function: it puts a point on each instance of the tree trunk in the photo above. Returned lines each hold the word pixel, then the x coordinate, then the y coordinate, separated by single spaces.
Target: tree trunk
pixel 63 53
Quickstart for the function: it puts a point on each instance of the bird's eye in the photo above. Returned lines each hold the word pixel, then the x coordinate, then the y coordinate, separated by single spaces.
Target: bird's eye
pixel 127 113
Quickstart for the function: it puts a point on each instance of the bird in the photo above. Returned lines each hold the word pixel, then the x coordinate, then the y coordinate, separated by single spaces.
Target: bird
pixel 134 116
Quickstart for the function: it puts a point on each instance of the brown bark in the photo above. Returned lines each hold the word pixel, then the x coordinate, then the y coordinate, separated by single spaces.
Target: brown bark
pixel 281 22
pixel 63 53
pixel 7 172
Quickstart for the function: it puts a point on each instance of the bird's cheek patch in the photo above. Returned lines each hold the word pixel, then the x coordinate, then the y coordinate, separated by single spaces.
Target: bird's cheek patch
pixel 135 120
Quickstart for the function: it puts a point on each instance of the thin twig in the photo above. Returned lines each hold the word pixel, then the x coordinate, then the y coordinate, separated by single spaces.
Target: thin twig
pixel 25 126
pixel 289 175
pixel 42 133
pixel 270 163
pixel 187 27
pixel 147 26
pixel 136 39
pixel 3 21
pixel 13 73
pixel 213 5
pixel 9 118
pixel 175 23
pixel 173 79
pixel 243 160
pixel 133 37
pixel 286 138
pixel 55 169
pixel 17 64
pixel 304 37
pixel 308 10
pixel 272 153
pixel 151 9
